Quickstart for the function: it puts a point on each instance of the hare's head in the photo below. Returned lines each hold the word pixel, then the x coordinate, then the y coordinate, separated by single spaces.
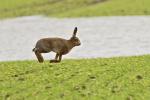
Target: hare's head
pixel 75 40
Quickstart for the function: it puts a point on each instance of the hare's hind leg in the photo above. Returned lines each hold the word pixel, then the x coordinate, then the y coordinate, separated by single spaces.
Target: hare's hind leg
pixel 39 56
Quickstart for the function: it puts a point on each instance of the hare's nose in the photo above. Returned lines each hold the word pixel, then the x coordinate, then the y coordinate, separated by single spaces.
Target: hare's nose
pixel 79 43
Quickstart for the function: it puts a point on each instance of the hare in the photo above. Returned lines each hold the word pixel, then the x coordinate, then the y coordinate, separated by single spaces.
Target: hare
pixel 58 45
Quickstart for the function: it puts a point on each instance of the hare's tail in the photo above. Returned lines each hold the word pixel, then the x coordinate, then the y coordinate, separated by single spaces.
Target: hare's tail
pixel 34 49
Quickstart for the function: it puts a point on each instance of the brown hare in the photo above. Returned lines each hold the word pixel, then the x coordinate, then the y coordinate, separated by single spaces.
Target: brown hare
pixel 58 45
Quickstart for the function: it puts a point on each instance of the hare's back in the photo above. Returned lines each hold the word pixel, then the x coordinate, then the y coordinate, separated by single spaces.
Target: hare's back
pixel 51 44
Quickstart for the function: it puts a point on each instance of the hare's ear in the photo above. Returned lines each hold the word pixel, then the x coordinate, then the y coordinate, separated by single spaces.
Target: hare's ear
pixel 74 32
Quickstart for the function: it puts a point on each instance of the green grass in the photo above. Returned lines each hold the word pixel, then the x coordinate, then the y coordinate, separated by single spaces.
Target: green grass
pixel 120 78
pixel 71 8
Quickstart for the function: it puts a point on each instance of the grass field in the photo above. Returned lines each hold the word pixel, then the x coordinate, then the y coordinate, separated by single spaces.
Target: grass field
pixel 71 8
pixel 120 78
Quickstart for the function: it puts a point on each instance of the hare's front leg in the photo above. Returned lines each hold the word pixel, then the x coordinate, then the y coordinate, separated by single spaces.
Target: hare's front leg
pixel 54 60
pixel 56 57
pixel 60 57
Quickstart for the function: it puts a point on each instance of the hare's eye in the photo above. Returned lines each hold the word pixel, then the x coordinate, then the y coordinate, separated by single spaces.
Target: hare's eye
pixel 76 39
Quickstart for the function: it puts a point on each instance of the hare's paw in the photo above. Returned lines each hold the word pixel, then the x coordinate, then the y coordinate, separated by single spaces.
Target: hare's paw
pixel 54 61
pixel 41 61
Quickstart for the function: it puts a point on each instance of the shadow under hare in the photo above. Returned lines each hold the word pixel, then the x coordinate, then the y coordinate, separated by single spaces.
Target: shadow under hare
pixel 58 45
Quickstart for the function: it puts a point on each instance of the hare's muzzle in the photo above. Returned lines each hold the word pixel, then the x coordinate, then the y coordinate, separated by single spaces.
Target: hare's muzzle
pixel 79 43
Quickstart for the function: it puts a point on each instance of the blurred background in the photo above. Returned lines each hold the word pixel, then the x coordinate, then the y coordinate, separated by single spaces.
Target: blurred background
pixel 71 8
pixel 106 27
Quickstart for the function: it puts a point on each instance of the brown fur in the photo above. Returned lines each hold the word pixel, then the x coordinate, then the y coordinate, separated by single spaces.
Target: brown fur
pixel 58 45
